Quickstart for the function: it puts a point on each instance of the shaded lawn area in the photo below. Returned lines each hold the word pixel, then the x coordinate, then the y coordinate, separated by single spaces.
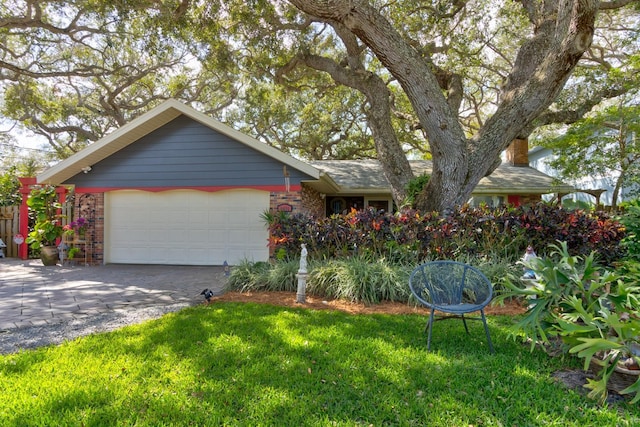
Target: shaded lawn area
pixel 254 364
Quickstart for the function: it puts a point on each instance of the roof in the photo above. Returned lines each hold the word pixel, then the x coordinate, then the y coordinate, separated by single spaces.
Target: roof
pixel 329 176
pixel 366 176
pixel 147 123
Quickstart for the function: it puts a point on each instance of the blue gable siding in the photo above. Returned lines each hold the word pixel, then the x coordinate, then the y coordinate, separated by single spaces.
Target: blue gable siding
pixel 186 153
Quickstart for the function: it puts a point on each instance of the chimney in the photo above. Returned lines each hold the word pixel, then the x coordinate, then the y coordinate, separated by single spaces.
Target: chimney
pixel 518 152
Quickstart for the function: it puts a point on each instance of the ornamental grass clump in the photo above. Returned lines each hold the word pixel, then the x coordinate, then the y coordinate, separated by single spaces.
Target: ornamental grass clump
pixel 359 279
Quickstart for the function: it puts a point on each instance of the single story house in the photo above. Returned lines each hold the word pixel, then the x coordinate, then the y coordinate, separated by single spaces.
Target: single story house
pixel 175 186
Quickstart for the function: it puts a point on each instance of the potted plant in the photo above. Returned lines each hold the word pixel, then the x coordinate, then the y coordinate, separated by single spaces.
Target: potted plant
pixel 75 233
pixel 47 228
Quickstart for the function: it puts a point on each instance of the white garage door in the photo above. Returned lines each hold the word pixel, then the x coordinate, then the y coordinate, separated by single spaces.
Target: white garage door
pixel 185 227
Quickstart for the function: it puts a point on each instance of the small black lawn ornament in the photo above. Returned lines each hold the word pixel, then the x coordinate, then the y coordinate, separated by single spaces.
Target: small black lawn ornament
pixel 208 294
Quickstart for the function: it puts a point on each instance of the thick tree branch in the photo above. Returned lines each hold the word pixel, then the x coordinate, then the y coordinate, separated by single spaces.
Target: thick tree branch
pixel 396 167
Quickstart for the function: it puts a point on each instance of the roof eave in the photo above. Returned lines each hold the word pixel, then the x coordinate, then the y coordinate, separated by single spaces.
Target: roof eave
pixel 147 123
pixel 522 191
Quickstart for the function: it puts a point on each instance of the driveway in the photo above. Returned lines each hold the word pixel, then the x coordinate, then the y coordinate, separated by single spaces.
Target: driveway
pixel 34 295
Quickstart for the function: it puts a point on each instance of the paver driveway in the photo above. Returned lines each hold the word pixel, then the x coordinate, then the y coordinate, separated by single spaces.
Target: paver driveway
pixel 32 295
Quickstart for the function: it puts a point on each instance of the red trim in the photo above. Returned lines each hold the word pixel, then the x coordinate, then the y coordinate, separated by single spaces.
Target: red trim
pixel 25 189
pixel 208 189
pixel 513 199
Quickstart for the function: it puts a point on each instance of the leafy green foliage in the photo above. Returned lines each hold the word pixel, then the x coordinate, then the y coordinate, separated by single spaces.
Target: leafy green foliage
pixel 595 312
pixel 9 188
pixel 631 221
pixel 360 279
pixel 414 188
pixel 355 279
pixel 42 201
pixel 409 236
pixel 605 144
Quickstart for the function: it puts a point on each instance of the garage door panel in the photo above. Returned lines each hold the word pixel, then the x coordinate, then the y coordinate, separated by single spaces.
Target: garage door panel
pixel 185 227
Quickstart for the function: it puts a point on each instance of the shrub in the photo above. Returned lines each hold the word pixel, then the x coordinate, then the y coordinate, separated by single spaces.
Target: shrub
pixel 359 279
pixel 409 237
pixel 631 220
pixel 249 276
pixel 593 311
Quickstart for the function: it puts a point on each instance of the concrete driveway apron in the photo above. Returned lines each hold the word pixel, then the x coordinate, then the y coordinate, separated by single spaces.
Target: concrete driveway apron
pixel 34 295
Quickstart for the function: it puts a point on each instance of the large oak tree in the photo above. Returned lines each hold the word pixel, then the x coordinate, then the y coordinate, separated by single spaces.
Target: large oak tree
pixel 453 80
pixel 561 31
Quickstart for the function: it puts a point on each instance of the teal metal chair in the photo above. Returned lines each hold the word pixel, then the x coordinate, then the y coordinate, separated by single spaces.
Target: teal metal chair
pixel 454 289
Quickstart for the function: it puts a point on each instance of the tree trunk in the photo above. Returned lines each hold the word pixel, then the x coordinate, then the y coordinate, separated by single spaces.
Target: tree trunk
pixel 563 30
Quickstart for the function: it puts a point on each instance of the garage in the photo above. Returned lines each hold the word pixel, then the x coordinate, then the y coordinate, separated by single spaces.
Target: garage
pixel 185 227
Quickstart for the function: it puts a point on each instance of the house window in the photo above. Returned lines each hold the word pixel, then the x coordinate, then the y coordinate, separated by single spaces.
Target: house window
pixel 341 205
pixel 337 206
pixel 491 201
pixel 379 204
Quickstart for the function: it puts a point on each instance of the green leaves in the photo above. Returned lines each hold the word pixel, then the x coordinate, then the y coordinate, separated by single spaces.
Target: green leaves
pixel 594 312
pixel 591 346
pixel 42 201
pixel 605 143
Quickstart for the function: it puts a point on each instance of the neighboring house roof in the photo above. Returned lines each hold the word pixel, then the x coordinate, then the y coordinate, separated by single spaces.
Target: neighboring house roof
pixel 147 123
pixel 366 176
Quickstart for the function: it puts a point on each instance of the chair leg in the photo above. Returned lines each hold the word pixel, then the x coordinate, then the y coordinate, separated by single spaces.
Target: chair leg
pixel 465 324
pixel 486 329
pixel 430 326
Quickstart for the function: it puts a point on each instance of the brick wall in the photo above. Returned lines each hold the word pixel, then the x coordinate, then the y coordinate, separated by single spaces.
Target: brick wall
pixel 312 202
pixel 91 207
pixel 518 152
pixel 283 199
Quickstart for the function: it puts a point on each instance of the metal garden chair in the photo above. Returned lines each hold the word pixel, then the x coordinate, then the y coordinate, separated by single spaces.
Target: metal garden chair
pixel 452 288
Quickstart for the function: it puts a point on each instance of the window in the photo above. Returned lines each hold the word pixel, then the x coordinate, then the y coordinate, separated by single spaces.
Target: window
pixel 491 201
pixel 379 204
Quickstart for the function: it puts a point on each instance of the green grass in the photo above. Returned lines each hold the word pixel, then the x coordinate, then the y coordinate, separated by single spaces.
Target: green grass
pixel 250 364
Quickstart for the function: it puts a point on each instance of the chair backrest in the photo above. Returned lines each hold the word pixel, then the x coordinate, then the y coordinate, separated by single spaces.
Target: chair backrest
pixel 444 283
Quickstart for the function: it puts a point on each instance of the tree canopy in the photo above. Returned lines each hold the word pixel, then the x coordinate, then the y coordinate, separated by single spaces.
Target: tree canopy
pixel 606 144
pixel 454 81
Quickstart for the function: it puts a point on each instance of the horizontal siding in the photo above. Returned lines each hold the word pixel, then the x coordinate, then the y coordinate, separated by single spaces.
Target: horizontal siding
pixel 185 152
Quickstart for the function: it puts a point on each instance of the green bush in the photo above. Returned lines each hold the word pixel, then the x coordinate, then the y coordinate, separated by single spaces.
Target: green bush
pixel 360 279
pixel 631 220
pixel 592 311
pixel 249 276
pixel 410 237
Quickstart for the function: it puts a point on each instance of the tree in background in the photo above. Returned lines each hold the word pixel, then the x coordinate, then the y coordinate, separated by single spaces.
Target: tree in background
pixel 454 81
pixel 605 144
pixel 78 70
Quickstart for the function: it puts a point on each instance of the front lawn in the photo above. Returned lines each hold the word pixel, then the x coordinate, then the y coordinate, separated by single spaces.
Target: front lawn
pixel 250 364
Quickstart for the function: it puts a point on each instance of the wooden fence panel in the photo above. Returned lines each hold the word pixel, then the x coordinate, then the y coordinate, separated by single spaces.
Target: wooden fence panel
pixel 9 226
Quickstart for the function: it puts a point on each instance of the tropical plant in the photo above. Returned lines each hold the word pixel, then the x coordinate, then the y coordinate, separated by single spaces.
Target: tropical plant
pixel 410 236
pixel 582 309
pixel 73 252
pixel 631 220
pixel 48 228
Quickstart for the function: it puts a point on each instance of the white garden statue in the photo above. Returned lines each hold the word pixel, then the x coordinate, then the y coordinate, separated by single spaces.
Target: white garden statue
pixel 303 259
pixel 302 276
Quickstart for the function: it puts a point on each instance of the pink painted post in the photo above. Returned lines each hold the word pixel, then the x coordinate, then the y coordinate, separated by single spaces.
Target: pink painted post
pixel 25 189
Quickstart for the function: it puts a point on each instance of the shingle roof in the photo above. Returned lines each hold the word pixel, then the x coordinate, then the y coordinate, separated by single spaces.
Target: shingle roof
pixel 366 176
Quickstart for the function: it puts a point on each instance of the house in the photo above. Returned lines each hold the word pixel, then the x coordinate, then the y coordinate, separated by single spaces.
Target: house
pixel 593 189
pixel 175 186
